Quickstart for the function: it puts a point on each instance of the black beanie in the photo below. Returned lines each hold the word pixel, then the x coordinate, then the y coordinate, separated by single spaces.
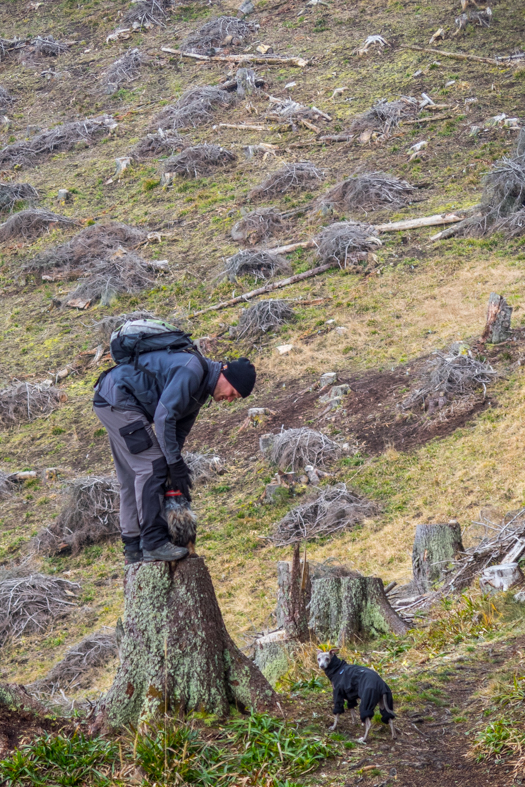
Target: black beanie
pixel 240 374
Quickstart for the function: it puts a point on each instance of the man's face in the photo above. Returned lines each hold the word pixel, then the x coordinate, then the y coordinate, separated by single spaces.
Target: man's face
pixel 224 391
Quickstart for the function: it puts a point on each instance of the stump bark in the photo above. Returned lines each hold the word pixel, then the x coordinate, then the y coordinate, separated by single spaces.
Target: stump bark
pixel 435 547
pixel 497 327
pixel 293 597
pixel 349 608
pixel 176 653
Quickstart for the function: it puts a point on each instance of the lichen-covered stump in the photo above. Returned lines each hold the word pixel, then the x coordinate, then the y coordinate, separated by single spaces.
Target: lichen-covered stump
pixel 435 547
pixel 343 609
pixel 176 652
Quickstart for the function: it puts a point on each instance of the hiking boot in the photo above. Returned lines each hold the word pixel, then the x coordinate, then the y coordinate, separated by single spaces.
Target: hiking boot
pixel 166 551
pixel 132 554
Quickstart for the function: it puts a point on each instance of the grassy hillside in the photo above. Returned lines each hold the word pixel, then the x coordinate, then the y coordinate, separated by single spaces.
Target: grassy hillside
pixel 374 325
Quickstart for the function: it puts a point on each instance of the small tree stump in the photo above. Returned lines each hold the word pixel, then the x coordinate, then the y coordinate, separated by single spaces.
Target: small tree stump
pixel 176 653
pixel 497 327
pixel 272 652
pixel 293 597
pixel 352 607
pixel 435 546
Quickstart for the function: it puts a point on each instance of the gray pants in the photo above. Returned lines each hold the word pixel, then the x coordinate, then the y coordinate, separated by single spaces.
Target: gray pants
pixel 141 470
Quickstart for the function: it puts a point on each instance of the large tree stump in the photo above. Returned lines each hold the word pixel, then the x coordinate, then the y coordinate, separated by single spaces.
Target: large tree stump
pixel 176 653
pixel 435 547
pixel 499 313
pixel 293 596
pixel 349 608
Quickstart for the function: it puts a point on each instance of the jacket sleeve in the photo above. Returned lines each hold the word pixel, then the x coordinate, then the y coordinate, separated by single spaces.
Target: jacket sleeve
pixel 172 420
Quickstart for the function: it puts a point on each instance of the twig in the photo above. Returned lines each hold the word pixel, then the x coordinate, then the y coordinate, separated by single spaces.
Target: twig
pixel 424 120
pixel 267 60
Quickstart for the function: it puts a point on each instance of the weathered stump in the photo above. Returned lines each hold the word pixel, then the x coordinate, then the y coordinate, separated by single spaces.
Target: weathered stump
pixel 349 607
pixel 176 653
pixel 272 654
pixel 293 597
pixel 497 327
pixel 435 547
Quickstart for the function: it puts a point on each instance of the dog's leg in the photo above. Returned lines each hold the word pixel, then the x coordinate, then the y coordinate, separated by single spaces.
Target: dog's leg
pixel 353 716
pixel 368 724
pixel 334 725
pixel 392 728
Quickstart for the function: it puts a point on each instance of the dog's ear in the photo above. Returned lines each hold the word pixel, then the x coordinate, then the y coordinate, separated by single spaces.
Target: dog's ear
pixel 333 651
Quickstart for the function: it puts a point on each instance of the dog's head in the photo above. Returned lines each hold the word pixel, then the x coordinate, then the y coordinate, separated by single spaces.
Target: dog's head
pixel 325 657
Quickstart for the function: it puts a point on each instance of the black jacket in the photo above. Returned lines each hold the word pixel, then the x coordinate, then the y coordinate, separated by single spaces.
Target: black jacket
pixel 171 399
pixel 352 682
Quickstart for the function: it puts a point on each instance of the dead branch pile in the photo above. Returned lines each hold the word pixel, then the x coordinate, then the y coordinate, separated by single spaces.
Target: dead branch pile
pixel 258 225
pixel 343 240
pixel 451 374
pixel 481 18
pixel 199 161
pixel 304 174
pixel 47 45
pixel 107 325
pixel 26 153
pixel 72 672
pixel 33 603
pixel 90 515
pixel 6 99
pixel 369 191
pixel 31 223
pixel 386 115
pixel 148 13
pixel 6 485
pixel 23 402
pixel 330 568
pixel 332 510
pixel 124 273
pixel 203 466
pixel 257 263
pixel 194 108
pixel 287 109
pixel 162 143
pixel 89 246
pixel 8 45
pixel 262 317
pixel 293 449
pixel 13 193
pixel 125 69
pixel 218 32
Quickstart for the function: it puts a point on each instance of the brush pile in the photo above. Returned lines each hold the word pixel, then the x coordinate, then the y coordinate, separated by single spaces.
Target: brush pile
pixel 291 177
pixel 258 225
pixel 6 99
pixel 257 263
pixel 89 516
pixel 345 243
pixel 161 143
pixel 124 70
pixel 263 316
pixel 203 466
pixel 11 194
pixel 123 273
pixel 219 32
pixel 24 402
pixel 194 108
pixel 148 13
pixel 295 449
pixel 72 672
pixel 48 46
pixel 369 191
pixel 199 161
pixel 26 153
pixel 31 223
pixel 333 509
pixel 286 109
pixel 449 375
pixel 107 325
pixel 386 115
pixel 9 45
pixel 33 603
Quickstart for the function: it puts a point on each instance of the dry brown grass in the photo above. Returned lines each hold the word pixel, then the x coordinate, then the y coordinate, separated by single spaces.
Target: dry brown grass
pixel 199 161
pixel 291 177
pixel 217 32
pixel 30 223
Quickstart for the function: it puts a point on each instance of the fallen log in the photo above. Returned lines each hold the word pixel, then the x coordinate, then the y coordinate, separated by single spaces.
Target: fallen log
pixel 453 55
pixel 424 221
pixel 267 60
pixel 243 127
pixel 425 120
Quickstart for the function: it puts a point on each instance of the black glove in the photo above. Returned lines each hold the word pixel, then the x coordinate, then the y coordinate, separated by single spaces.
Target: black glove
pixel 181 478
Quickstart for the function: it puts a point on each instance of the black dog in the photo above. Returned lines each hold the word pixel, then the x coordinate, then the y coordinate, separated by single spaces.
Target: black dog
pixel 351 682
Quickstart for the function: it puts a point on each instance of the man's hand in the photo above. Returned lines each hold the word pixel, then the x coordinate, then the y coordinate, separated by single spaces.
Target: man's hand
pixel 181 478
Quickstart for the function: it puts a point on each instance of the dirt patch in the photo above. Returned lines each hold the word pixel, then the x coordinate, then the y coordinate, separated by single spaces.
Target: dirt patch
pixel 17 726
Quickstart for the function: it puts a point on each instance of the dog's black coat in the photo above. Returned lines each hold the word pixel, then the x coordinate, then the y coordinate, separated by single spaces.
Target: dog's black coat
pixel 351 682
